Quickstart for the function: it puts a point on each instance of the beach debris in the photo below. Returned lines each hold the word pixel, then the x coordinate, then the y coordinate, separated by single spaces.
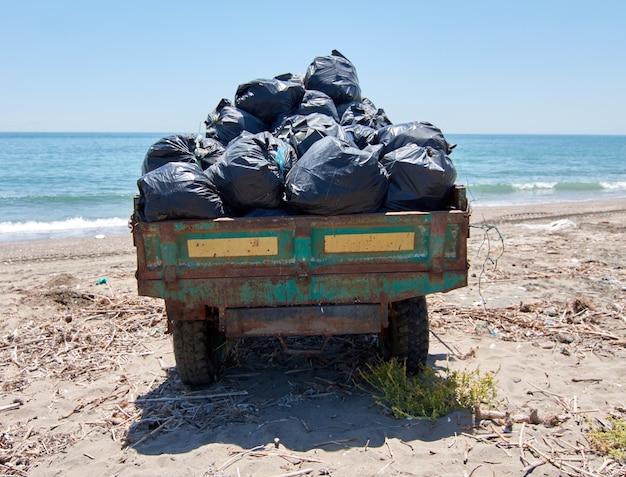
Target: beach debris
pixel 506 419
pixel 610 280
pixel 552 226
pixel 581 304
pixel 577 322
pixel 16 404
pixel 493 248
pixel 268 450
pixel 104 333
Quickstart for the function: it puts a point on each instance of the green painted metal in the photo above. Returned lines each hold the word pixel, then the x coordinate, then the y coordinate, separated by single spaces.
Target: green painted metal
pixel 262 291
pixel 302 272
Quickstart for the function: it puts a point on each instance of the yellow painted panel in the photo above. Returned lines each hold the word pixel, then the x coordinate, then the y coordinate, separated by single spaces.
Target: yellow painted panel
pixel 233 247
pixel 383 242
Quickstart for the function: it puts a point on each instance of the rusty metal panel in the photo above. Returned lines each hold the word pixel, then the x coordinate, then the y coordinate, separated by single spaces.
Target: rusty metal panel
pixel 451 247
pixel 325 320
pixel 304 260
pixel 151 239
pixel 312 290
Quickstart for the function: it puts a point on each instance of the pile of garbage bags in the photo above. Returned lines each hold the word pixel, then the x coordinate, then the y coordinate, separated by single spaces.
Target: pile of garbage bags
pixel 293 145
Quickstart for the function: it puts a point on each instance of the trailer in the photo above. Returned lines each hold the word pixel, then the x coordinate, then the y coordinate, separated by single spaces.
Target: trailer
pixel 303 275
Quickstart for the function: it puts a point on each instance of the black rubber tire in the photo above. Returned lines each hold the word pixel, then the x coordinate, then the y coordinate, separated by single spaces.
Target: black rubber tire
pixel 407 336
pixel 199 350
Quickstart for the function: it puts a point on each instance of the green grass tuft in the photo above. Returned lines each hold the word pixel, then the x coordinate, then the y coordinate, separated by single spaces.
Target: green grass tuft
pixel 611 440
pixel 428 394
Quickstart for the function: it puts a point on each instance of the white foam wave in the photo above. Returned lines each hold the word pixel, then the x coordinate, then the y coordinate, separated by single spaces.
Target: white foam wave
pixel 613 185
pixel 535 185
pixel 73 224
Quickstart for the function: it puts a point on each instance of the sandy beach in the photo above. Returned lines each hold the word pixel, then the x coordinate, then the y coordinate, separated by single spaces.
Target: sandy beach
pixel 89 385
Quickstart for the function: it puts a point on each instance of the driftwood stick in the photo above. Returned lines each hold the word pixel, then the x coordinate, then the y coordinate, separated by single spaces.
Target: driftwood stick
pixel 454 353
pixel 382 469
pixel 192 398
pixel 152 433
pixel 499 434
pixel 25 343
pixel 239 456
pixel 299 458
pixel 388 447
pixel 466 452
pixel 560 463
pixel 296 473
pixel 14 470
pixel 504 417
pixel 532 418
pixel 10 407
pixel 480 414
pixel 545 392
pixel 338 441
pixel 17 449
pixel 529 468
pixel 474 470
pixel 480 438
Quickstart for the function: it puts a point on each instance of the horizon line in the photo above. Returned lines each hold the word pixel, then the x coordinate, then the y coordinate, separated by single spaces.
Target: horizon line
pixel 445 134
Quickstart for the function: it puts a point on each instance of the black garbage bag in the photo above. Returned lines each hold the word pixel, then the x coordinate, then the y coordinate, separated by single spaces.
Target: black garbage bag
pixel 175 148
pixel 227 122
pixel 363 112
pixel 420 178
pixel 361 135
pixel 289 77
pixel 333 177
pixel 269 98
pixel 334 75
pixel 178 190
pixel 303 131
pixel 317 102
pixel 208 151
pixel 251 173
pixel 182 148
pixel 419 133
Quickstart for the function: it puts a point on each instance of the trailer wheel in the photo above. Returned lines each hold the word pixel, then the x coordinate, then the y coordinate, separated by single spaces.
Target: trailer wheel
pixel 199 349
pixel 407 334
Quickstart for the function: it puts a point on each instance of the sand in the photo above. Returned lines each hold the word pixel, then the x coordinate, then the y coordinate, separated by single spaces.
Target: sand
pixel 89 385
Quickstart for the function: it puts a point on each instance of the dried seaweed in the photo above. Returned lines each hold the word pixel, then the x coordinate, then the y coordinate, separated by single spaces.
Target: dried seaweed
pixel 82 337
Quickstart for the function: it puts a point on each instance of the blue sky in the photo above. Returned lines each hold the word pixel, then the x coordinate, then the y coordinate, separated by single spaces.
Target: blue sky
pixel 546 67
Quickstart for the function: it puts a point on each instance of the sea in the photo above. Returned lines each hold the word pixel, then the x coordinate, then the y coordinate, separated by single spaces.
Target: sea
pixel 58 185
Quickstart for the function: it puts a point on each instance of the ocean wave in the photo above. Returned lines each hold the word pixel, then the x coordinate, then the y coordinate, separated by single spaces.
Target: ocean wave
pixel 541 186
pixel 99 196
pixel 73 224
pixel 613 185
pixel 535 186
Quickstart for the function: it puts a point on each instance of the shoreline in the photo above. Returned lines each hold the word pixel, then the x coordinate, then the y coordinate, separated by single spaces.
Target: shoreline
pixel 506 213
pixel 479 214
